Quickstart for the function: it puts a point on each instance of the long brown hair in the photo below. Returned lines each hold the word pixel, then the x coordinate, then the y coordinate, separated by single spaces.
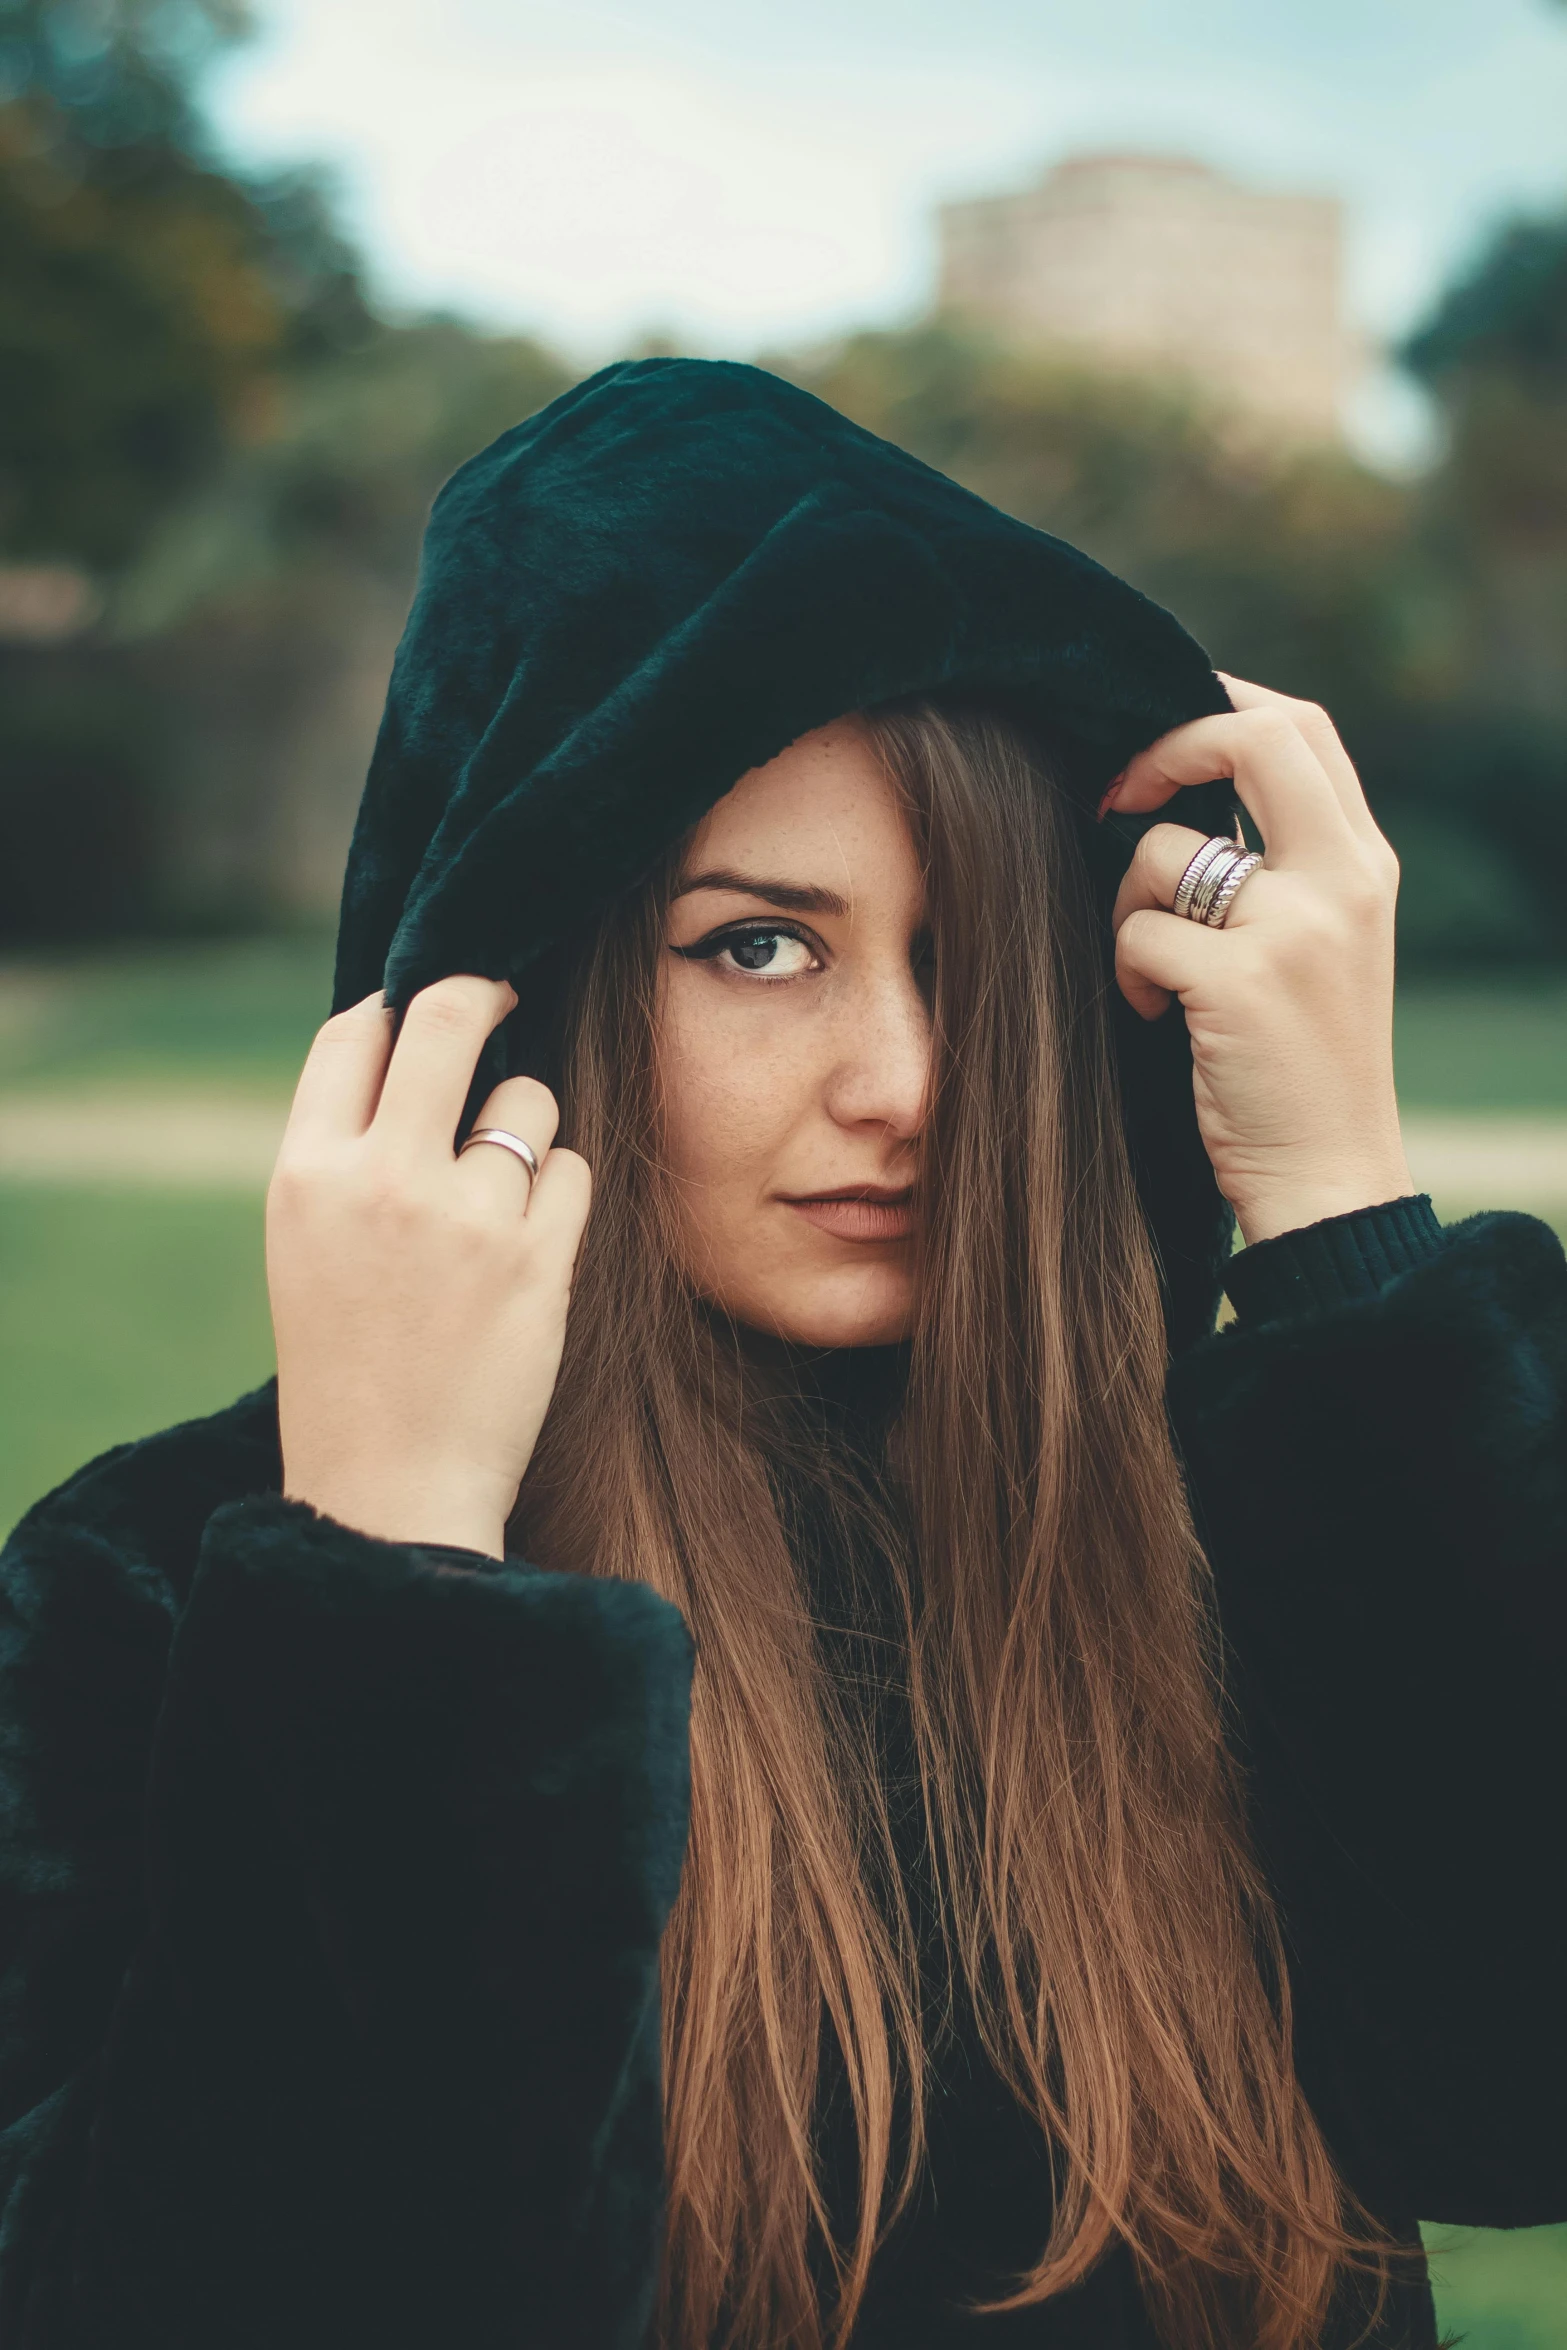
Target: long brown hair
pixel 1099 1905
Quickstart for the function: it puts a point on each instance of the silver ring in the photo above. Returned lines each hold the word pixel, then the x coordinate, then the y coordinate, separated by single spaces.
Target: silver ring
pixel 1206 856
pixel 506 1142
pixel 1230 886
pixel 1212 881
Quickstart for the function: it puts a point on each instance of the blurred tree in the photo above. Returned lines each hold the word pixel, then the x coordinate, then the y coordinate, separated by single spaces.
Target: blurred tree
pixel 202 409
pixel 268 605
pixel 134 314
pixel 338 487
pixel 1509 312
pixel 1490 532
pixel 1494 355
pixel 147 297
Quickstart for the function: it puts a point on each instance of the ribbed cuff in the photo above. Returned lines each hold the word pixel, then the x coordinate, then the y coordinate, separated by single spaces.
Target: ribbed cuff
pixel 1332 1263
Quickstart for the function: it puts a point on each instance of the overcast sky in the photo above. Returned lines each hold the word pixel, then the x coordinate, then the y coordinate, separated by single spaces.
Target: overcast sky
pixel 746 172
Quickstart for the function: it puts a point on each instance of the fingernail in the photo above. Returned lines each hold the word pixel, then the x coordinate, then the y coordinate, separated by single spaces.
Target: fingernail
pixel 1108 802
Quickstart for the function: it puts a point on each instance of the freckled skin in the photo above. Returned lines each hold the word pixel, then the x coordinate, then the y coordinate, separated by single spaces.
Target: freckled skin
pixel 778 1088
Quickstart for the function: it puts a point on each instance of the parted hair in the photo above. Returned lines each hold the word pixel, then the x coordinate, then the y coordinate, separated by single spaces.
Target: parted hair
pixel 1100 1907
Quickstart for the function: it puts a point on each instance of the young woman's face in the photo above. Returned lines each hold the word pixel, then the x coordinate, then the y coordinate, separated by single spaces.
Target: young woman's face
pixel 794 1047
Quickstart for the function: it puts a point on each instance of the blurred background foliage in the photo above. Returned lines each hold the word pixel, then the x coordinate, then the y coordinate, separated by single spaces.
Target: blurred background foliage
pixel 215 464
pixel 216 459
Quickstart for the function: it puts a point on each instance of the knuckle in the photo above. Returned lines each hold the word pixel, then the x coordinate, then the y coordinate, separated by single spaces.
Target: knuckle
pixel 1317 927
pixel 1143 854
pixel 1368 881
pixel 384 1192
pixel 345 1027
pixel 459 1004
pixel 1265 728
pixel 1314 934
pixel 289 1189
pixel 447 1009
pixel 1154 847
pixel 474 1225
pixel 1131 935
pixel 301 1176
pixel 535 1100
pixel 574 1165
pixel 1362 893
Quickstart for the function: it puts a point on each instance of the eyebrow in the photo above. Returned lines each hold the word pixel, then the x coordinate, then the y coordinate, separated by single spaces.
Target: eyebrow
pixel 797 896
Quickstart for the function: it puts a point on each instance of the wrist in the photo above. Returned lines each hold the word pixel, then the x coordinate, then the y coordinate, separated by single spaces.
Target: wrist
pixel 394 1507
pixel 1266 1213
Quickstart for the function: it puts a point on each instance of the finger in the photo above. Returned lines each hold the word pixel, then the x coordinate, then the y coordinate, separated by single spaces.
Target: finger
pixel 561 1198
pixel 341 1080
pixel 1279 778
pixel 1323 736
pixel 524 1107
pixel 1158 956
pixel 432 1064
pixel 1158 861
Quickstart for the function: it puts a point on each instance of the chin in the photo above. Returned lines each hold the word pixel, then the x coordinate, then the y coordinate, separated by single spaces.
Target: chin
pixel 869 1305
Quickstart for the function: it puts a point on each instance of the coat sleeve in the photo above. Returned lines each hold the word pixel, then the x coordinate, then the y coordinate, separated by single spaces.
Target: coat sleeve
pixel 328 1950
pixel 1378 1461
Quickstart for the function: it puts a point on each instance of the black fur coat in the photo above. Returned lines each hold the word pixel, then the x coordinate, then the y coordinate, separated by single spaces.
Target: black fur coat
pixel 333 1872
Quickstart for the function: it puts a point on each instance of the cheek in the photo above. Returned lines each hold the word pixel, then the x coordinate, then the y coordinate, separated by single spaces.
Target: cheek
pixel 729 1100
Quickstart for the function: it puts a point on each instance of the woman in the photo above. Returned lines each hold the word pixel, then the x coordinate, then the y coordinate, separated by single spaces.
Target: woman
pixel 1087 1708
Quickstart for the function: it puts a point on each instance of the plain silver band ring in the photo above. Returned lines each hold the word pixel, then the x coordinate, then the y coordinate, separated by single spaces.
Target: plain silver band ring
pixel 506 1142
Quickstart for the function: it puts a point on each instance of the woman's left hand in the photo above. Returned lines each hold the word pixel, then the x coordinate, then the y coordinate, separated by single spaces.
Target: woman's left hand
pixel 1290 1005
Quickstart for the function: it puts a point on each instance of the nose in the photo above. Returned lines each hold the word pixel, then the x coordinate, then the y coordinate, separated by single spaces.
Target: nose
pixel 881 1071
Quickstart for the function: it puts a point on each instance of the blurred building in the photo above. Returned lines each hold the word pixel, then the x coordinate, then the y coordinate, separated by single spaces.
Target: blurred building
pixel 1157 264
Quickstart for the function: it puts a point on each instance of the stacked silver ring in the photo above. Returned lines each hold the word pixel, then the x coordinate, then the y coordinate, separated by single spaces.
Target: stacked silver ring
pixel 1212 881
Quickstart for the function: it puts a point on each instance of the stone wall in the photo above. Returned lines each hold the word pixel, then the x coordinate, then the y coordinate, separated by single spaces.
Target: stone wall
pixel 1165 266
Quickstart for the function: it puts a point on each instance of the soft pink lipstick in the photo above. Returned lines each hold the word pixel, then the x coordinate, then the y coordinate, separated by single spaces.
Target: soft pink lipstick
pixel 860 1211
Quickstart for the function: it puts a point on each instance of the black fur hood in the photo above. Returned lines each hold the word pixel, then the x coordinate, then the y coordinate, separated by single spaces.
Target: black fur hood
pixel 662 580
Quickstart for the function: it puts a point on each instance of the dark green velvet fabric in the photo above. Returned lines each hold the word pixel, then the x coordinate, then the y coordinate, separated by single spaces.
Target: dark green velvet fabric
pixel 660 581
pixel 333 1871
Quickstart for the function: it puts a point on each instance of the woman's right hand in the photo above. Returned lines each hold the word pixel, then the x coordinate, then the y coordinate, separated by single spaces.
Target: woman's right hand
pixel 419 1300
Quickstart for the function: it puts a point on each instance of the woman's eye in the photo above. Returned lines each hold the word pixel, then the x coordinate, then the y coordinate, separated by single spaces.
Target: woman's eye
pixel 777 952
pixel 760 949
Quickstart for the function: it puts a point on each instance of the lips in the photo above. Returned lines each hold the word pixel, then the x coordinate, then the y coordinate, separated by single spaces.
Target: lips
pixel 860 1212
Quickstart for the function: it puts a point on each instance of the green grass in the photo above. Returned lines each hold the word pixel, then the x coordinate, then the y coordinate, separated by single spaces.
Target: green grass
pixel 119 1312
pixel 239 1012
pixel 1501 2289
pixel 1498 1047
